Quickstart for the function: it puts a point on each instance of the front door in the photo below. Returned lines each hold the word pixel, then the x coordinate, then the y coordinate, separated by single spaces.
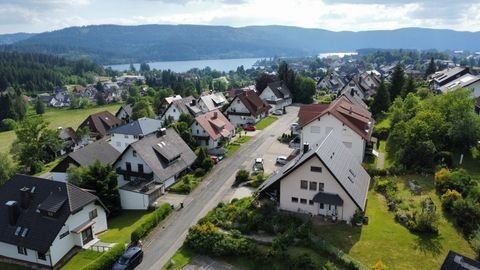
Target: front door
pixel 87 235
pixel 322 210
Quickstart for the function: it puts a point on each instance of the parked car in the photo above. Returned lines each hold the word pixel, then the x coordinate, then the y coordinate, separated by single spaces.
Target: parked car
pixel 282 160
pixel 277 112
pixel 258 166
pixel 249 128
pixel 132 257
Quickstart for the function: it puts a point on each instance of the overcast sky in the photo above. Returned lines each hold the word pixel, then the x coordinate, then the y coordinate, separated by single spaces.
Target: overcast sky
pixel 355 15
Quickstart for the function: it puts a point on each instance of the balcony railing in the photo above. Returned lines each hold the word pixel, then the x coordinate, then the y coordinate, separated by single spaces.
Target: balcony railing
pixel 146 176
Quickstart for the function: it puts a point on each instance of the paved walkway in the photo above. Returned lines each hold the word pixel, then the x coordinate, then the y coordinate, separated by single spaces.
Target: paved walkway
pixel 380 160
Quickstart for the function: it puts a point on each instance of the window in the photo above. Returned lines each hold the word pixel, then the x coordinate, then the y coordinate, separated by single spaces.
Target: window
pixel 320 186
pixel 304 184
pixel 313 186
pixel 134 153
pixel 125 136
pixel 92 214
pixel 349 178
pixel 50 214
pixel 21 250
pixel 64 234
pixel 174 110
pixel 303 201
pixel 198 131
pixel 135 136
pixel 119 144
pixel 310 202
pixel 315 169
pixel 322 206
pixel 294 199
pixel 41 256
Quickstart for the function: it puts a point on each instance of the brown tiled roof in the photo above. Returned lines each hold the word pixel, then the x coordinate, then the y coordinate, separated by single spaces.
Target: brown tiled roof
pixel 215 126
pixel 101 122
pixel 254 104
pixel 350 114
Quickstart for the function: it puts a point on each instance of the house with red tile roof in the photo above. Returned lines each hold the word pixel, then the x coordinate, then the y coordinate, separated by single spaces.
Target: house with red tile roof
pixel 212 129
pixel 247 108
pixel 352 124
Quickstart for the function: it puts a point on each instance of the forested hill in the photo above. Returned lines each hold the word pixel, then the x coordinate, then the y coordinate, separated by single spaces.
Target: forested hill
pixel 109 44
pixel 12 38
pixel 36 73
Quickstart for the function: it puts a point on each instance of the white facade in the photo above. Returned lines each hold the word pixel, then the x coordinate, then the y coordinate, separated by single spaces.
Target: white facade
pixel 316 131
pixel 198 130
pixel 172 112
pixel 295 199
pixel 238 120
pixel 131 200
pixel 121 141
pixel 64 241
pixel 131 157
pixel 279 103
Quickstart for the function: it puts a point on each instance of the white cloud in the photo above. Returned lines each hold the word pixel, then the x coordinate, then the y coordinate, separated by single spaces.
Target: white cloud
pixel 337 15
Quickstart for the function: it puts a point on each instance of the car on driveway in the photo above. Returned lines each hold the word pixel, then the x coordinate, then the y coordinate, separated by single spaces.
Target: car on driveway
pixel 258 166
pixel 277 112
pixel 131 258
pixel 249 128
pixel 282 160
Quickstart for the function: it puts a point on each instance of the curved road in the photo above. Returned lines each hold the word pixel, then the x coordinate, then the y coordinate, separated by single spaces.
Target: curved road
pixel 169 237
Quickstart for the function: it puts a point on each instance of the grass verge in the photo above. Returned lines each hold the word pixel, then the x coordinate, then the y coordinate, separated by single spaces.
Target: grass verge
pixel 181 258
pixel 81 259
pixel 121 227
pixel 234 146
pixel 265 122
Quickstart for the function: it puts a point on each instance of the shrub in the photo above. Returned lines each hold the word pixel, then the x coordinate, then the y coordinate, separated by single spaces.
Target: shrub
pixel 449 197
pixel 475 241
pixel 329 266
pixel 467 214
pixel 207 164
pixel 379 266
pixel 8 124
pixel 458 180
pixel 304 262
pixel 444 158
pixel 425 221
pixel 381 133
pixel 107 259
pixel 441 174
pixel 199 172
pixel 158 215
pixel 241 177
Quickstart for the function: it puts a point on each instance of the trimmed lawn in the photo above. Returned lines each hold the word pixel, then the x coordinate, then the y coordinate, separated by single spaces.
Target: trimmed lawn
pixel 120 227
pixel 181 258
pixel 471 161
pixel 383 121
pixel 386 240
pixel 59 118
pixel 81 259
pixel 265 122
pixel 234 146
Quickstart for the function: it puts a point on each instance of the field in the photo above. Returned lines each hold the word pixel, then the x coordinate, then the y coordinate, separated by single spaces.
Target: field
pixel 386 240
pixel 59 118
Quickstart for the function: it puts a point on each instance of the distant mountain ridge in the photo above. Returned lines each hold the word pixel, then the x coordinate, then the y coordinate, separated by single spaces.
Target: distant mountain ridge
pixel 110 44
pixel 12 38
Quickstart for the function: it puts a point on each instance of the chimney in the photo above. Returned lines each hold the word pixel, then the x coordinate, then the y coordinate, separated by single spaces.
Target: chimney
pixel 13 212
pixel 215 115
pixel 352 92
pixel 306 147
pixel 193 102
pixel 25 197
pixel 350 110
pixel 161 132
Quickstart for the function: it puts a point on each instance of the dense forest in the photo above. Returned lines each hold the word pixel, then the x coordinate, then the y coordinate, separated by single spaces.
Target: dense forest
pixel 111 44
pixel 35 73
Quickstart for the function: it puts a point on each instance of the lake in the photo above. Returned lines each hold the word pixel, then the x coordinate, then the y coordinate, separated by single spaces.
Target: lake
pixel 183 66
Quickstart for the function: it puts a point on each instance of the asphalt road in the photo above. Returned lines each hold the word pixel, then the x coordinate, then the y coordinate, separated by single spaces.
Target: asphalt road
pixel 165 240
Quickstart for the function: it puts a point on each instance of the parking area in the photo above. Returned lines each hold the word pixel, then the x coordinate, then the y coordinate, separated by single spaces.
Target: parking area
pixel 270 156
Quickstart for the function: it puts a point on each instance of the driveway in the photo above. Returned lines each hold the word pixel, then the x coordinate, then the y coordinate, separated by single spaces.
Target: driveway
pixel 165 240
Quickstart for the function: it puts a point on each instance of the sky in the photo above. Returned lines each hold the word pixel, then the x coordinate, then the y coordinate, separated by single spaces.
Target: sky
pixel 35 16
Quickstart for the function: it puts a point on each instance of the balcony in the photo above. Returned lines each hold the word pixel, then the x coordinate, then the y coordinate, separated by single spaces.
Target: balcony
pixel 146 176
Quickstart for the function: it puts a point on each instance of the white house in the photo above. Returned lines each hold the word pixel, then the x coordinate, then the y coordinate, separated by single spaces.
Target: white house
pixel 277 95
pixel 124 113
pixel 43 220
pixel 247 108
pixel 186 105
pixel 468 81
pixel 129 133
pixel 326 181
pixel 210 102
pixel 352 124
pixel 149 166
pixel 211 129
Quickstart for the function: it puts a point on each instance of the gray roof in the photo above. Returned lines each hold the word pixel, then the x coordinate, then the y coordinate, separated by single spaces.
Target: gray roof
pixel 463 81
pixel 58 197
pixel 213 101
pixel 100 150
pixel 445 75
pixel 280 89
pixel 141 126
pixel 166 155
pixel 341 163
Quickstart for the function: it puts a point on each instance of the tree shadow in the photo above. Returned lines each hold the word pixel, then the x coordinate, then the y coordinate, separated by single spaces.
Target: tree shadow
pixel 429 244
pixel 340 235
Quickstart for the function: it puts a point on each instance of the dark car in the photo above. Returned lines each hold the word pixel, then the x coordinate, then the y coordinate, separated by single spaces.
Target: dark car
pixel 130 259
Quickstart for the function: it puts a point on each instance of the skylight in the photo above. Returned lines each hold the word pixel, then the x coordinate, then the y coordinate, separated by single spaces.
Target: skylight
pixel 18 230
pixel 24 233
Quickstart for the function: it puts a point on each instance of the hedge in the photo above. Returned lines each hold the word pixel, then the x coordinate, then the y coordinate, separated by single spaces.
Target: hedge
pixel 151 222
pixel 107 259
